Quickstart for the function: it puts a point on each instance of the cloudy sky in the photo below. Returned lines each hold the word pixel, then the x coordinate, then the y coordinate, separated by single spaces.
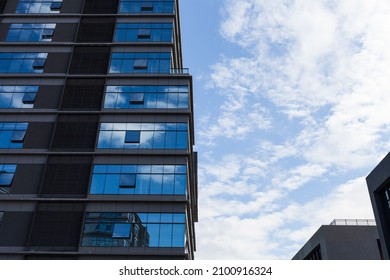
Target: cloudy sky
pixel 292 103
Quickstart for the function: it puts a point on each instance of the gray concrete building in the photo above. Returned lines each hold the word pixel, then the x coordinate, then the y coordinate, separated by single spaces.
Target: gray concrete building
pixel 378 182
pixel 96 131
pixel 343 240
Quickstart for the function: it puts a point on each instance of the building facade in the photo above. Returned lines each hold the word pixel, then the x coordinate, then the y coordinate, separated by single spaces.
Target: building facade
pixel 96 131
pixel 343 240
pixel 378 182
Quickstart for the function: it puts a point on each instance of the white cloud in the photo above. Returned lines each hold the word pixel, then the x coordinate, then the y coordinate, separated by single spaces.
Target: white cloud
pixel 279 232
pixel 309 94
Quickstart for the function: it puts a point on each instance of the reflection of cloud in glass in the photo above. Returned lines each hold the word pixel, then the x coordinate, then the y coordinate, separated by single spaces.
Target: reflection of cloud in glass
pixel 110 100
pixel 12 96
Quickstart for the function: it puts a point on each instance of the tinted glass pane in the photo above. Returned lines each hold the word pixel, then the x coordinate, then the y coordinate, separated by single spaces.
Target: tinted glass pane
pixel 121 231
pixel 130 6
pixel 133 230
pixel 127 97
pixel 38 6
pixel 151 136
pixel 143 32
pixel 143 179
pixel 140 63
pixel 17 96
pixel 6 179
pixel 12 135
pixel 127 181
pixel 30 32
pixel 132 136
pixel 22 62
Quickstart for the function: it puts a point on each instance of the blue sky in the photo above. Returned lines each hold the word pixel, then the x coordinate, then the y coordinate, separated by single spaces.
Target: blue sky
pixel 292 113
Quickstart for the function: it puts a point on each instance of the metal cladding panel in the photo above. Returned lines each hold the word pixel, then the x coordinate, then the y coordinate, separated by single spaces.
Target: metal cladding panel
pixel 14 228
pixel 83 94
pixel 48 97
pixel 100 7
pixel 57 226
pixel 57 62
pixel 27 179
pixel 2 5
pixel 38 135
pixel 75 132
pixel 96 29
pixel 90 60
pixel 65 32
pixel 66 176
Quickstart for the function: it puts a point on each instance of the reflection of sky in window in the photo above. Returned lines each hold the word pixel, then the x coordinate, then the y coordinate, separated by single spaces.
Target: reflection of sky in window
pixel 30 32
pixel 165 97
pixel 12 96
pixel 149 179
pixel 159 229
pixel 153 135
pixel 20 62
pixel 7 133
pixel 35 6
pixel 121 230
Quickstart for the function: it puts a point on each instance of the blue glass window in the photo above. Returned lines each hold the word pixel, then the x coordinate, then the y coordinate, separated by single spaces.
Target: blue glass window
pixel 7 172
pixel 132 136
pixel 12 135
pixel 164 97
pixel 109 229
pixel 139 179
pixel 31 32
pixel 140 63
pixel 131 6
pixel 143 32
pixel 152 136
pixel 38 6
pixel 17 96
pixel 22 62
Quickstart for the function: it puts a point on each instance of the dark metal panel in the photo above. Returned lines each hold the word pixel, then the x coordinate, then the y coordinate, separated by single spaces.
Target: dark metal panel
pixel 96 29
pixel 57 227
pixel 67 176
pixel 65 32
pixel 75 132
pixel 27 179
pixel 100 7
pixel 90 60
pixel 38 135
pixel 48 97
pixel 8 6
pixel 14 228
pixel 83 94
pixel 71 6
pixel 57 63
pixel 4 31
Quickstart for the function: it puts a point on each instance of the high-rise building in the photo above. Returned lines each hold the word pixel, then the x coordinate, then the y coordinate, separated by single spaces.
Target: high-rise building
pixel 343 240
pixel 378 182
pixel 96 131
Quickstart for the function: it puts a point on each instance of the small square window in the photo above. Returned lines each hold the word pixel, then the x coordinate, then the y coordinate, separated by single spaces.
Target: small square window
pixel 121 231
pixel 29 98
pixel 132 136
pixel 6 178
pixel 137 98
pixel 47 33
pixel 38 64
pixel 18 136
pixel 127 181
pixel 140 64
pixel 147 7
pixel 55 6
pixel 143 34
